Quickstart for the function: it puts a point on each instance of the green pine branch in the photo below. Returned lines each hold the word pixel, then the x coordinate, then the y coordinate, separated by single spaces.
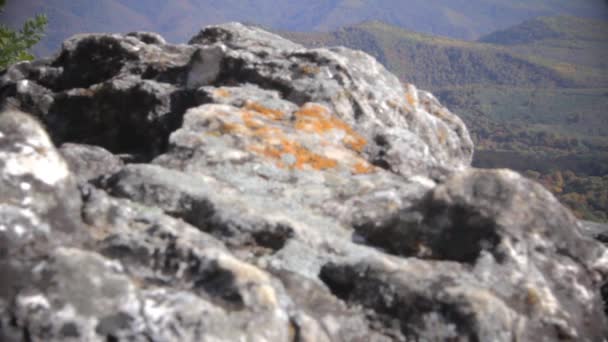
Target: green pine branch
pixel 15 45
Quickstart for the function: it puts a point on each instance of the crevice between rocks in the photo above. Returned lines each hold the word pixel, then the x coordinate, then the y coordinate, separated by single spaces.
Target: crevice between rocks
pixel 393 311
pixel 200 212
pixel 234 72
pixel 433 231
pixel 119 124
pixel 96 59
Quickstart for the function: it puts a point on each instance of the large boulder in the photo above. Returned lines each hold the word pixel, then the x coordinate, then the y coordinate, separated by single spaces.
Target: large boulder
pixel 243 187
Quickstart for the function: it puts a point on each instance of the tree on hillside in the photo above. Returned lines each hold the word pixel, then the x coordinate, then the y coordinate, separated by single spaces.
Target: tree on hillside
pixel 14 45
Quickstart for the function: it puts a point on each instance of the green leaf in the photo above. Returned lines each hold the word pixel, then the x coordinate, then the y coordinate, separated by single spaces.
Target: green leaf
pixel 15 45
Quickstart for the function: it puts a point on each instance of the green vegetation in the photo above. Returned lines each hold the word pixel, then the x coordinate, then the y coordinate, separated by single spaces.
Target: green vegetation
pixel 436 62
pixel 575 46
pixel 15 45
pixel 534 97
pixel 586 196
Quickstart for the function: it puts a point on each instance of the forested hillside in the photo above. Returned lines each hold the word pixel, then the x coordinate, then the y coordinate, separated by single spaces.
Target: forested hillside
pixel 179 19
pixel 432 61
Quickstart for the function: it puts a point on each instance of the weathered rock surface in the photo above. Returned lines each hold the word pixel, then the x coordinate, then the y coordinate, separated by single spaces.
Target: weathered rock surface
pixel 242 187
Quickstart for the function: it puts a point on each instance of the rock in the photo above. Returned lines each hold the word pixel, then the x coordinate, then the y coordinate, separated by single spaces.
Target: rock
pixel 39 203
pixel 122 81
pixel 90 162
pixel 599 232
pixel 39 211
pixel 242 187
pixel 523 247
pixel 137 91
pixel 595 230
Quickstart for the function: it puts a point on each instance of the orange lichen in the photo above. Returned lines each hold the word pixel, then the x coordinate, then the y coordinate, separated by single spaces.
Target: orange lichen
pixel 355 142
pixel 310 69
pixel 267 131
pixel 231 127
pixel 250 120
pixel 317 119
pixel 221 92
pixel 303 156
pixel 267 112
pixel 410 98
pixel 363 167
pixel 266 127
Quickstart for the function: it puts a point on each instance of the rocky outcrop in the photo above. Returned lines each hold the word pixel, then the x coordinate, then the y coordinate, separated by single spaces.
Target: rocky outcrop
pixel 242 187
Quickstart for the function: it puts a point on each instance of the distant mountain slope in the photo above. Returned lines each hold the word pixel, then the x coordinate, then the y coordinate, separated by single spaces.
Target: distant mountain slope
pixel 177 20
pixel 573 42
pixel 432 62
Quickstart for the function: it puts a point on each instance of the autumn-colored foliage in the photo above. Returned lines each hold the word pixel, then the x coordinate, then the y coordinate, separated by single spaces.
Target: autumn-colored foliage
pixel 587 196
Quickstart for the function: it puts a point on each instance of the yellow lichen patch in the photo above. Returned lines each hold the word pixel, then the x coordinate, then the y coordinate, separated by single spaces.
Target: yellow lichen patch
pixel 315 118
pixel 355 141
pixel 410 99
pixel 302 155
pixel 267 112
pixel 271 136
pixel 316 161
pixel 221 92
pixel 533 297
pixel 252 124
pixel 250 120
pixel 231 128
pixel 310 69
pixel 267 131
pixel 363 167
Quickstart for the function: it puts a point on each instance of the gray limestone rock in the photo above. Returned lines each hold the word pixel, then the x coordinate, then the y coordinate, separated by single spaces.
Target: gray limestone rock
pixel 39 201
pixel 521 245
pixel 243 187
pixel 90 162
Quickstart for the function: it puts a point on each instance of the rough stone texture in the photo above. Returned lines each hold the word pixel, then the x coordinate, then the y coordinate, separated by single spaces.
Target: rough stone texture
pixel 595 230
pixel 39 198
pixel 242 187
pixel 90 162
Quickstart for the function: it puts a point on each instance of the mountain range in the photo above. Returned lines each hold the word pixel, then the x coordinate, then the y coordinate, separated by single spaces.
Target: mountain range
pixel 176 20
